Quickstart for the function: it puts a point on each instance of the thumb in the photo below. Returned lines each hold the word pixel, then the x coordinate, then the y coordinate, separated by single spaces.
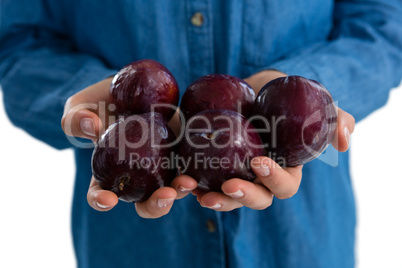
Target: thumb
pixel 79 121
pixel 99 199
pixel 345 127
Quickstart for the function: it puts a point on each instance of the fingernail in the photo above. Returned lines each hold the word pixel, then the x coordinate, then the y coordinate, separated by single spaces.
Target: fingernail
pixel 262 170
pixel 165 202
pixel 347 135
pixel 87 126
pixel 238 194
pixel 216 206
pixel 184 190
pixel 101 206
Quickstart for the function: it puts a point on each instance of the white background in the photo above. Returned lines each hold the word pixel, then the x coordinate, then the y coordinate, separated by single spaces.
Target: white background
pixel 37 184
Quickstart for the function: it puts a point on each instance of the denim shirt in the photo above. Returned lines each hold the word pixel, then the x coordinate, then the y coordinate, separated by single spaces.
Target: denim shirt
pixel 50 50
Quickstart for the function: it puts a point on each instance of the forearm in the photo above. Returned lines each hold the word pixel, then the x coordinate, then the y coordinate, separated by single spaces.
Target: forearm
pixel 38 84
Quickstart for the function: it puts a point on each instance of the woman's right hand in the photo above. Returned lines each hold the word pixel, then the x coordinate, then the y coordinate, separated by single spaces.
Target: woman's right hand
pixel 86 115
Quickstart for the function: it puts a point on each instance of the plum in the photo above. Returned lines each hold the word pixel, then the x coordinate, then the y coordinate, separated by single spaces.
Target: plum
pixel 217 91
pixel 218 145
pixel 141 84
pixel 134 157
pixel 296 118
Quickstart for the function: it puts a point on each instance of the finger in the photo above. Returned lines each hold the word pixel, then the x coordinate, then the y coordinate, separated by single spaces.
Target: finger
pixel 218 201
pixel 198 192
pixel 345 127
pixel 80 122
pixel 100 199
pixel 158 204
pixel 184 185
pixel 282 182
pixel 252 195
pixel 80 117
pixel 175 124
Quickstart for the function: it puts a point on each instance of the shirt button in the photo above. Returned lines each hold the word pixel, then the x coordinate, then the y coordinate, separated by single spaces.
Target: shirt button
pixel 197 19
pixel 211 226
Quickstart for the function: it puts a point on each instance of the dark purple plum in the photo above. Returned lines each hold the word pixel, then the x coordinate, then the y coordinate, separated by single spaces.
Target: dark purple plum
pixel 133 157
pixel 300 119
pixel 141 84
pixel 219 145
pixel 217 91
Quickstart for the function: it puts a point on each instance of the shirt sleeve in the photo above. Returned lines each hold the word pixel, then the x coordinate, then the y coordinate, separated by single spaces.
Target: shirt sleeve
pixel 362 59
pixel 40 69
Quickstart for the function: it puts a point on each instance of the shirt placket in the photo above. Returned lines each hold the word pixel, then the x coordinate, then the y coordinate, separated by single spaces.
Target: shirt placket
pixel 200 38
pixel 201 62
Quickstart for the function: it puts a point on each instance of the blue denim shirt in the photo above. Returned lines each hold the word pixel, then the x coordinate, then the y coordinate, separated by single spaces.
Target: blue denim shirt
pixel 51 49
